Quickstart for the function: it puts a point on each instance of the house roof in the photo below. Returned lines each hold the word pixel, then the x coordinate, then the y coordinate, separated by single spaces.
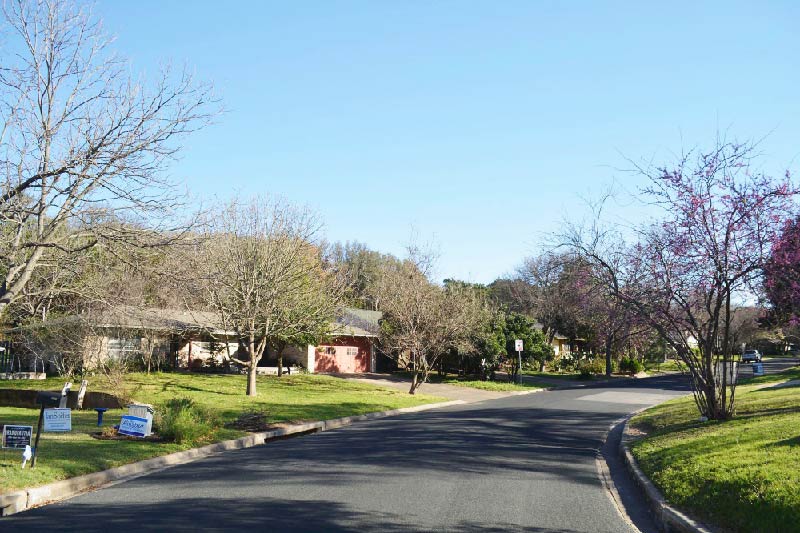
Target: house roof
pixel 350 321
pixel 357 322
pixel 556 335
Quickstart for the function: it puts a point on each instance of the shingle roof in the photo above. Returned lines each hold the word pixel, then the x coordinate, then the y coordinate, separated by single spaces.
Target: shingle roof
pixel 357 322
pixel 350 321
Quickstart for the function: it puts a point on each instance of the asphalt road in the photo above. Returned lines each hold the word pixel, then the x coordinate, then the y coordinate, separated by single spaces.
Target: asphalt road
pixel 524 463
pixel 771 366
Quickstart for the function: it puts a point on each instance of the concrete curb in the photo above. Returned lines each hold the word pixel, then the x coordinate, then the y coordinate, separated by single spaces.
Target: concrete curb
pixel 22 500
pixel 667 517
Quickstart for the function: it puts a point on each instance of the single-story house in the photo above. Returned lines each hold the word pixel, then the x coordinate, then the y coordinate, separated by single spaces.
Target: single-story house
pixel 350 348
pixel 562 345
pixel 195 339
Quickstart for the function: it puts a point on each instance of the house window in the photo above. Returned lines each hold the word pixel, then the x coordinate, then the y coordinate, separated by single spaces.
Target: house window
pixel 351 351
pixel 329 350
pixel 123 349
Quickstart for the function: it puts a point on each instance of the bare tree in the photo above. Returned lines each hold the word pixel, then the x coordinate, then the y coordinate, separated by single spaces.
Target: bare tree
pixel 261 273
pixel 558 290
pixel 83 144
pixel 422 320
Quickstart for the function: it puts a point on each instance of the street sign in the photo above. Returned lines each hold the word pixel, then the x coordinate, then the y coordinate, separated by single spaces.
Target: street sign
pixel 58 419
pixel 133 426
pixel 17 436
pixel 518 345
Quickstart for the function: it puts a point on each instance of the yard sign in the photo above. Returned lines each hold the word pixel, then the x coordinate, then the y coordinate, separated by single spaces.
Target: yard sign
pixel 17 436
pixel 133 426
pixel 58 419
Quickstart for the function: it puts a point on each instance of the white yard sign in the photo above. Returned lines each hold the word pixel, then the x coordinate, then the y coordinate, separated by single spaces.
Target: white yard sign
pixel 518 345
pixel 58 419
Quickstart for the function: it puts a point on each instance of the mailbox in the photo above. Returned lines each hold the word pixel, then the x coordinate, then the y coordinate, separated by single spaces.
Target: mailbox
pixel 48 399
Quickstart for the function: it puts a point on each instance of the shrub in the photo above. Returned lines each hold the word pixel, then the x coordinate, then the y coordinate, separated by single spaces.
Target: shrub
pixel 590 367
pixel 182 420
pixel 630 365
pixel 566 364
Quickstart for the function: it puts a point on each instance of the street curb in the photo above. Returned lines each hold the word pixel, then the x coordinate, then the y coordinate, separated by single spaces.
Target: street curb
pixel 22 500
pixel 667 517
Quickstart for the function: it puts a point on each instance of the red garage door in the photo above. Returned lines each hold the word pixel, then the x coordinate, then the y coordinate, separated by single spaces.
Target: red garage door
pixel 350 357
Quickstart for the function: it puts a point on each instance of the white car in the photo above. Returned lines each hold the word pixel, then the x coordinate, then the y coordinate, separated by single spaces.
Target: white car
pixel 751 356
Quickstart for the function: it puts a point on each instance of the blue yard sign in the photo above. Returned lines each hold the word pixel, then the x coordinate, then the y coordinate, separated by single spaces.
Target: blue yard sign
pixel 133 426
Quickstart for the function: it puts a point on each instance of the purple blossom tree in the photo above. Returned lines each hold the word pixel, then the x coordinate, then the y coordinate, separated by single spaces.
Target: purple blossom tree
pixel 782 275
pixel 710 244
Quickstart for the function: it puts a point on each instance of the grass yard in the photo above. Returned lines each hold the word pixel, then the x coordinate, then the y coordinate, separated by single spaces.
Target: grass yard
pixel 501 386
pixel 742 474
pixel 290 398
pixel 672 365
pixel 552 375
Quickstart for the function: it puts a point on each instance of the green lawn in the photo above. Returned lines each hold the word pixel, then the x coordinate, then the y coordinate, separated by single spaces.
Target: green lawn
pixel 290 398
pixel 503 386
pixel 553 375
pixel 470 381
pixel 742 474
pixel 671 365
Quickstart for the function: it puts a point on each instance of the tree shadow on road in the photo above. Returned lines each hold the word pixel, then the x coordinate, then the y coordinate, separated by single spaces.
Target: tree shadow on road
pixel 225 514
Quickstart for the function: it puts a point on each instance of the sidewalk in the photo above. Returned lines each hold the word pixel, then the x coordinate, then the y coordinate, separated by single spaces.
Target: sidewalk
pixel 451 392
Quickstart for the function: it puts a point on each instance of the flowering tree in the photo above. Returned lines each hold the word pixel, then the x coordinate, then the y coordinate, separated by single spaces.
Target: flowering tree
pixel 782 275
pixel 710 246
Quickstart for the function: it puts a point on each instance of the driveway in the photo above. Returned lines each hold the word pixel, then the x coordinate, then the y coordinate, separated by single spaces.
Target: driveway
pixel 519 463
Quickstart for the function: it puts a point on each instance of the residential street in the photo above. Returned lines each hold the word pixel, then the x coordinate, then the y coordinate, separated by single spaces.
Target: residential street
pixel 525 463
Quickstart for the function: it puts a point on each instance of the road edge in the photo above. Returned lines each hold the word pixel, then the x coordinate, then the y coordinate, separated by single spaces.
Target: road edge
pixel 668 517
pixel 24 499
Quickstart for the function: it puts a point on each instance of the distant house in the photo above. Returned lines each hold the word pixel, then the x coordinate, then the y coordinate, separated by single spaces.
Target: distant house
pixel 349 349
pixel 562 345
pixel 196 339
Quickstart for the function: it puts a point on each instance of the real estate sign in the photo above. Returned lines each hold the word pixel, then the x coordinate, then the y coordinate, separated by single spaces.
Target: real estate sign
pixel 17 436
pixel 133 426
pixel 58 419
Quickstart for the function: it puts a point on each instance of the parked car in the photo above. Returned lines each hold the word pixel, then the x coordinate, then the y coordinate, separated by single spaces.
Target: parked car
pixel 751 356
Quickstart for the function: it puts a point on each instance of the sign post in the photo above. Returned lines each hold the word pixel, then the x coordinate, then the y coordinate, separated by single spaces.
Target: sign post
pixel 45 399
pixel 518 347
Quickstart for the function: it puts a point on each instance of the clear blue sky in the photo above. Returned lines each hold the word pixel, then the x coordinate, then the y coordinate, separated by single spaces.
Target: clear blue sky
pixel 479 124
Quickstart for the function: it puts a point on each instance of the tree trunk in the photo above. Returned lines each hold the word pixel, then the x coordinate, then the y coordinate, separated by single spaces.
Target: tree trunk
pixel 609 346
pixel 727 410
pixel 414 382
pixel 251 380
pixel 252 367
pixel 280 348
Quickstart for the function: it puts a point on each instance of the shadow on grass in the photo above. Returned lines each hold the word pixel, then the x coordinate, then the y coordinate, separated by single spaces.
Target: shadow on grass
pixel 184 387
pixel 794 441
